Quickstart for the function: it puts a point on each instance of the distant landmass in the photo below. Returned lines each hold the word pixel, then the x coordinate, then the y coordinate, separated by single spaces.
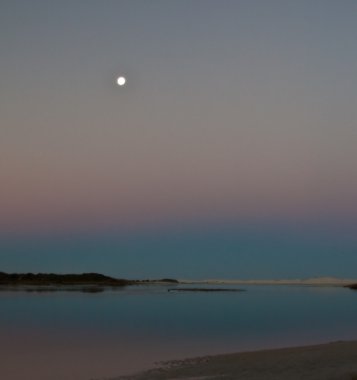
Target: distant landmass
pixel 87 282
pixel 315 281
pixel 60 279
pixel 95 282
pixel 214 290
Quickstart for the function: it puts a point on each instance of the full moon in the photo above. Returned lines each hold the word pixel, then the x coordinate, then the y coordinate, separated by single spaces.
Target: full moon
pixel 121 81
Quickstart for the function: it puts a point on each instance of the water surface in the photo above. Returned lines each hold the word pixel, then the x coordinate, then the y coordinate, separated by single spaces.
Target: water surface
pixel 90 336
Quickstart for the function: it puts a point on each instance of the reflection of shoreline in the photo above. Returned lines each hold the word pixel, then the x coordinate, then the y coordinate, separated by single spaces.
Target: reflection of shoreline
pixel 323 281
pixel 318 362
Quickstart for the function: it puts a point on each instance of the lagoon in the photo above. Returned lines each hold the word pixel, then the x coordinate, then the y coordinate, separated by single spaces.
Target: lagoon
pixel 86 336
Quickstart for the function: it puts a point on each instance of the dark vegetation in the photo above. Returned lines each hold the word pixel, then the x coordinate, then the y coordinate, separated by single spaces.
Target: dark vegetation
pixel 352 286
pixel 85 282
pixel 167 280
pixel 40 279
pixel 204 290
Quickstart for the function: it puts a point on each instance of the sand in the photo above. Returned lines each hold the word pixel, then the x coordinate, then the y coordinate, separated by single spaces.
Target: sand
pixel 331 361
pixel 316 281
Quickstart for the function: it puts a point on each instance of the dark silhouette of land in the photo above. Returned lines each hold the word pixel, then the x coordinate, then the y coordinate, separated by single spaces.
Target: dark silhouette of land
pixel 352 286
pixel 95 282
pixel 85 282
pixel 162 280
pixel 60 279
pixel 204 290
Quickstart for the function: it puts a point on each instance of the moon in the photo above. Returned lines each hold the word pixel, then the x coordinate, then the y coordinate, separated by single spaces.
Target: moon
pixel 121 81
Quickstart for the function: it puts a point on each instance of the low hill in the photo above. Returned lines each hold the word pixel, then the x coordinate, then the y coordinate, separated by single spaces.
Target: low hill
pixel 60 279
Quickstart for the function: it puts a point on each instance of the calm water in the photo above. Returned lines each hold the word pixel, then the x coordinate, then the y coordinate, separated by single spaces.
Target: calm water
pixel 93 336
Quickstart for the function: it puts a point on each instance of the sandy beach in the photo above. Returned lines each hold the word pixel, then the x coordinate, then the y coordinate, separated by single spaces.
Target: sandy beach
pixel 332 361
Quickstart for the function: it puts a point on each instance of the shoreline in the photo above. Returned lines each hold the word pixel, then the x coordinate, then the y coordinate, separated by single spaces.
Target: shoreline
pixel 329 361
pixel 97 283
pixel 318 281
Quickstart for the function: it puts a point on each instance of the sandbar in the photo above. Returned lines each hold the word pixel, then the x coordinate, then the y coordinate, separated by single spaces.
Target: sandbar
pixel 315 281
pixel 332 361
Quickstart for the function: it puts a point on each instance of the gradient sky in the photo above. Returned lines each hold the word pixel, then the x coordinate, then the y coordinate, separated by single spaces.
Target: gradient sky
pixel 237 123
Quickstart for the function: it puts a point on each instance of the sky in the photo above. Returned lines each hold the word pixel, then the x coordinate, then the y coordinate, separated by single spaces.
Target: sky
pixel 230 151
